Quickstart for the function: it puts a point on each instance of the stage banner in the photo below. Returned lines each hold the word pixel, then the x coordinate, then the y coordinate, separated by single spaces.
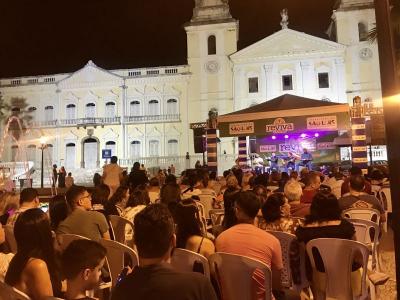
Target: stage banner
pixel 359 143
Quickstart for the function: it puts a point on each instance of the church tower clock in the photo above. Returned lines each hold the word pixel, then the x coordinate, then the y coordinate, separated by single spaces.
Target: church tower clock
pixel 212 36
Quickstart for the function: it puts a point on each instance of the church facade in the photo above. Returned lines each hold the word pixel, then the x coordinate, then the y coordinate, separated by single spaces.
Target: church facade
pixel 147 112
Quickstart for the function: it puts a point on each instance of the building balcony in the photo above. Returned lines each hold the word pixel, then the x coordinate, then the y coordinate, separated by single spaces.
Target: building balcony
pixel 43 124
pixel 153 118
pixel 83 122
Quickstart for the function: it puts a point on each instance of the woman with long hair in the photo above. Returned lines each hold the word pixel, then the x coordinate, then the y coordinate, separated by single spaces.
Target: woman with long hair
pixel 34 269
pixel 117 202
pixel 189 234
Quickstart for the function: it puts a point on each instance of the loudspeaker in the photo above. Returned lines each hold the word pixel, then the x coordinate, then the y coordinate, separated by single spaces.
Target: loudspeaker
pixel 253 145
pixel 199 144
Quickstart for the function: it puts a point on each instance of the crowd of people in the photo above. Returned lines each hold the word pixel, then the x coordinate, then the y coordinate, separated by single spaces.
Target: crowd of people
pixel 166 215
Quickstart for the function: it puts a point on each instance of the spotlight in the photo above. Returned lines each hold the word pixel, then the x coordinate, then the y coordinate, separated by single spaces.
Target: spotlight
pixel 303 135
pixel 274 137
pixel 316 135
pixel 286 136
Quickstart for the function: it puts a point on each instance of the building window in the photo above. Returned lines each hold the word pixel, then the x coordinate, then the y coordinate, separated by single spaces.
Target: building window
pixel 154 148
pixel 253 85
pixel 110 110
pixel 112 146
pixel 49 113
pixel 135 108
pixel 287 82
pixel 323 80
pixel 32 112
pixel 71 112
pixel 31 153
pixel 70 156
pixel 154 107
pixel 172 107
pixel 135 149
pixel 90 110
pixel 212 45
pixel 362 32
pixel 173 148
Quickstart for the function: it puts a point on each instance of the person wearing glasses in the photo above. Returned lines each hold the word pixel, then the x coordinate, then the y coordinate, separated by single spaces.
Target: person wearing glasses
pixel 81 219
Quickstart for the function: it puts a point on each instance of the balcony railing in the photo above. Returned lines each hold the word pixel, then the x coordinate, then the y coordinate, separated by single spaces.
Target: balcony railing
pixel 90 121
pixel 41 124
pixel 153 118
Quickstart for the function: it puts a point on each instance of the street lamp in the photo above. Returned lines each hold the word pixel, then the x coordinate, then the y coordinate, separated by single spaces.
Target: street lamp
pixel 42 141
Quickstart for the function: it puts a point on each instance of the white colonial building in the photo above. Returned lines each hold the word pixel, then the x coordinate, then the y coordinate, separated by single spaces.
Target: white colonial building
pixel 147 112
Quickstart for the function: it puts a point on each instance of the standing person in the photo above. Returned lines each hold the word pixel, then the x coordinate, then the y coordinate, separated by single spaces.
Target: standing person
pixel 55 175
pixel 187 161
pixel 154 278
pixel 197 165
pixel 137 177
pixel 306 159
pixel 34 270
pixel 246 239
pixel 69 180
pixel 274 162
pixel 112 175
pixel 61 177
pixel 173 170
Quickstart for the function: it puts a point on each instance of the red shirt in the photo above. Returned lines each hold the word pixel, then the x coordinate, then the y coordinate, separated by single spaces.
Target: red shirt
pixel 307 196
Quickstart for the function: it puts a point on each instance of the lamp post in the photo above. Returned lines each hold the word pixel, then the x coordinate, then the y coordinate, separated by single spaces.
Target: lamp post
pixel 42 141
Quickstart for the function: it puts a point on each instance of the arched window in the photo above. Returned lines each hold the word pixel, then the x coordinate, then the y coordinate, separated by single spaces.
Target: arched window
pixel 154 148
pixel 71 112
pixel 172 107
pixel 49 113
pixel 90 110
pixel 14 152
pixel 362 32
pixel 110 110
pixel 15 110
pixel 31 153
pixel 135 149
pixel 154 107
pixel 112 146
pixel 135 108
pixel 212 45
pixel 173 148
pixel 70 156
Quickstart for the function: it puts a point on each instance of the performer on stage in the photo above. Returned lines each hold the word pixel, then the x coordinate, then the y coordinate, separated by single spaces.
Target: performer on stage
pixel 274 162
pixel 258 164
pixel 306 159
pixel 291 161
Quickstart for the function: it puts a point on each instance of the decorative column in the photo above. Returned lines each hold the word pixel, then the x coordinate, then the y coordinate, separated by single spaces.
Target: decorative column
pixel 307 80
pixel 123 124
pixel 58 131
pixel 359 136
pixel 211 141
pixel 242 151
pixel 340 80
pixel 269 93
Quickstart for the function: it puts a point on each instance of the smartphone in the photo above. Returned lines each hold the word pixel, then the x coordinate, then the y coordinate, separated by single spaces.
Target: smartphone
pixel 44 207
pixel 122 275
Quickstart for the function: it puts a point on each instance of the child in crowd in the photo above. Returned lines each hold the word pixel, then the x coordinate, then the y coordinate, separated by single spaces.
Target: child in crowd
pixel 69 180
pixel 82 262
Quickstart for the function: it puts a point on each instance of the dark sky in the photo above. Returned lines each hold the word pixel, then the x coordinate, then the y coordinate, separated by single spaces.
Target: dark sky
pixel 58 36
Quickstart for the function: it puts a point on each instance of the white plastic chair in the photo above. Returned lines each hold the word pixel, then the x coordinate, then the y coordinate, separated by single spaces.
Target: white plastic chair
pixel 65 239
pixel 207 201
pixel 183 260
pixel 202 214
pixel 368 214
pixel 10 293
pixel 286 240
pixel 234 274
pixel 364 231
pixel 338 256
pixel 10 238
pixel 386 198
pixel 119 225
pixel 116 257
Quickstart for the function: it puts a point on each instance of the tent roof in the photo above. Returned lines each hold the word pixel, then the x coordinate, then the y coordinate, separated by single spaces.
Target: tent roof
pixel 284 102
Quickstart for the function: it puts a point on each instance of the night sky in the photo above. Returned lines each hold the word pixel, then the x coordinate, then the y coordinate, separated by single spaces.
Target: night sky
pixel 60 36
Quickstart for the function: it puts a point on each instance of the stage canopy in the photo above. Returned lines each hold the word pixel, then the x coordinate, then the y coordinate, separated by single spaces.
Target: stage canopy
pixel 285 114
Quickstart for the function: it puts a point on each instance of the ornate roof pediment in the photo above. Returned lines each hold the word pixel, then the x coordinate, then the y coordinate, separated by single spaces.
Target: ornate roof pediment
pixel 154 132
pixel 287 43
pixel 71 136
pixel 110 135
pixel 173 131
pixel 90 75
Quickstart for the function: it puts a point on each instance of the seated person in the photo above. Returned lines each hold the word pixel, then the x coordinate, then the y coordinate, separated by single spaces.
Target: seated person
pixel 312 184
pixel 357 198
pixel 246 239
pixel 189 234
pixel 154 278
pixel 346 187
pixel 34 268
pixel 29 198
pixel 116 204
pixel 276 215
pixel 82 262
pixel 81 219
pixel 293 193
